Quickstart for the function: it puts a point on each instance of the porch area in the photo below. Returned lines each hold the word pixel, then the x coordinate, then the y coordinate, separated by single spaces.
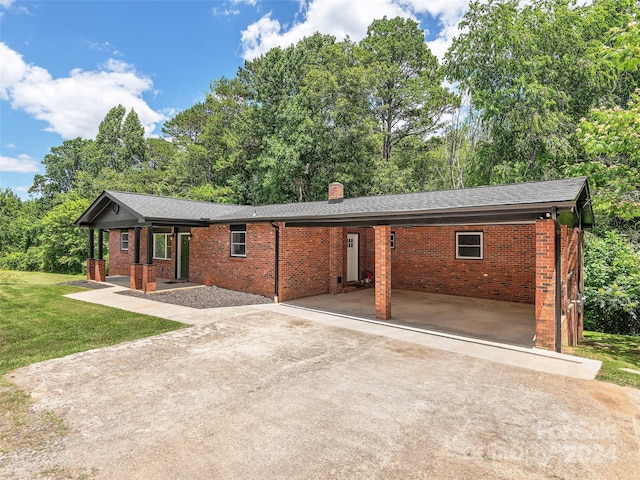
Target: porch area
pixel 162 284
pixel 491 320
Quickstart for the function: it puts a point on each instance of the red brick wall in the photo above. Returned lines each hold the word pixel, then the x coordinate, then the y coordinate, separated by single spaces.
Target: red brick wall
pixel 211 262
pixel 305 261
pixel 425 260
pixel 120 261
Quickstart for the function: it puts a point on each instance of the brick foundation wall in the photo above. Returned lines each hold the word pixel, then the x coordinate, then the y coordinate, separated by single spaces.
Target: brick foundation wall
pixel 211 262
pixel 425 260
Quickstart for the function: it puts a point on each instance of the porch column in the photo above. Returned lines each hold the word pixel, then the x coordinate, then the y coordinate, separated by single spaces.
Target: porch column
pixel 545 284
pixel 91 263
pixel 149 245
pixel 336 256
pixel 100 264
pixel 149 269
pixel 135 275
pixel 383 272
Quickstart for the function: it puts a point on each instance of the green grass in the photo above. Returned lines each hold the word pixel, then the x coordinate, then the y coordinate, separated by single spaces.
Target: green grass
pixel 615 352
pixel 38 323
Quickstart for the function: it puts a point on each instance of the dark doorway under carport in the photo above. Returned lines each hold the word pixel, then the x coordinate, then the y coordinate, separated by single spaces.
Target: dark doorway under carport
pixel 492 320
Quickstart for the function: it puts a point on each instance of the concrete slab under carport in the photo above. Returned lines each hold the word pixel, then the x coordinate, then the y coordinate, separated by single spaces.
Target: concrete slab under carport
pixel 492 320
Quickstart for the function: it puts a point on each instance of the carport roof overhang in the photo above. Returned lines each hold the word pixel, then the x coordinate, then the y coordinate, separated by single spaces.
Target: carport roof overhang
pixel 568 199
pixel 467 216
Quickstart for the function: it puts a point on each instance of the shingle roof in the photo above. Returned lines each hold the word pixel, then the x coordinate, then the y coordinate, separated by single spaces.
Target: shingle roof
pixel 493 198
pixel 549 192
pixel 152 206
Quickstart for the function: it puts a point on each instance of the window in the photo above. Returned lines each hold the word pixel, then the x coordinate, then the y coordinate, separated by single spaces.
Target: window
pixel 392 240
pixel 469 245
pixel 162 246
pixel 124 240
pixel 238 244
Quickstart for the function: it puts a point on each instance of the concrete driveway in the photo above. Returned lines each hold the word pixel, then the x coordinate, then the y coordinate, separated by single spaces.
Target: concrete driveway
pixel 262 395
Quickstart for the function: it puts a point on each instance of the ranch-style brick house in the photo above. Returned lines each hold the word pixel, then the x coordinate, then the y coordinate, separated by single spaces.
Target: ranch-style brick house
pixel 511 243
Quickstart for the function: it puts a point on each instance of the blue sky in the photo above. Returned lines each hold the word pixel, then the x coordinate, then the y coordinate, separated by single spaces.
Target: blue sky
pixel 64 64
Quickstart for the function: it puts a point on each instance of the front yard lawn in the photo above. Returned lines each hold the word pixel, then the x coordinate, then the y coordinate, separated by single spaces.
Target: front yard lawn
pixel 38 323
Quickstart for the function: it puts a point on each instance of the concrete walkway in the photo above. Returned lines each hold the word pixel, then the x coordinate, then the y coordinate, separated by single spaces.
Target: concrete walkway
pixel 530 358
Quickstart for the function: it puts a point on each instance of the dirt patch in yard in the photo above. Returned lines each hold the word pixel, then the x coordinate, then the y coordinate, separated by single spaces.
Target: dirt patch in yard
pixel 263 395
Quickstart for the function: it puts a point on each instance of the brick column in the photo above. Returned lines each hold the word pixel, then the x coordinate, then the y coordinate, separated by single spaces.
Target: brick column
pixel 545 284
pixel 336 259
pixel 383 272
pixel 135 277
pixel 149 278
pixel 91 269
pixel 100 270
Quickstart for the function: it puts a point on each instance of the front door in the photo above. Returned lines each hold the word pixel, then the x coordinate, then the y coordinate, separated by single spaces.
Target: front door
pixel 353 257
pixel 183 255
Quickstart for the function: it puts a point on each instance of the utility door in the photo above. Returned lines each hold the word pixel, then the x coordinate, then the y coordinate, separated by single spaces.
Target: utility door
pixel 353 257
pixel 183 255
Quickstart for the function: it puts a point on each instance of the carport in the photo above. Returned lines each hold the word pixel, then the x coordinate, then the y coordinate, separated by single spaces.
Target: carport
pixel 490 320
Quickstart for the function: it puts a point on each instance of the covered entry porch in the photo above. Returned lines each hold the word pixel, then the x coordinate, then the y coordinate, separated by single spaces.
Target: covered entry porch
pixel 491 320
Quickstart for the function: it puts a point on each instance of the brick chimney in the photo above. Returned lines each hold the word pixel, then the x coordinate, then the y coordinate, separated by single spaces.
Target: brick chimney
pixel 336 192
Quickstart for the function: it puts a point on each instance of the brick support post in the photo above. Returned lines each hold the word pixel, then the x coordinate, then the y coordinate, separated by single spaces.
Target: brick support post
pixel 336 259
pixel 149 278
pixel 545 284
pixel 91 269
pixel 383 272
pixel 135 277
pixel 100 270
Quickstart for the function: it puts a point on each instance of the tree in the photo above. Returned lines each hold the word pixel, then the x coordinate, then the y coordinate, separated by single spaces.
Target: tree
pixel 62 165
pixel 407 96
pixel 64 246
pixel 120 140
pixel 529 70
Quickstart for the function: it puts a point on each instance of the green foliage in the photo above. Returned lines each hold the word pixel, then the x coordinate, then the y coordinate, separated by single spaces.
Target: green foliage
pixel 64 246
pixel 612 285
pixel 531 70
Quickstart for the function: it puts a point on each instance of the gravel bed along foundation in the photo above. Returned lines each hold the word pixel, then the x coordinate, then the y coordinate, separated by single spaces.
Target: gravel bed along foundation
pixel 202 297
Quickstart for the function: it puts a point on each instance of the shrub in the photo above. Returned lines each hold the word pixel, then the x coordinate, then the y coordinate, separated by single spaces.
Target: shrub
pixel 612 285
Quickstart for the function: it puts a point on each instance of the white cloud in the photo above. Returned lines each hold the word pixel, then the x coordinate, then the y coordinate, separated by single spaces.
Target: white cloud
pixel 73 106
pixel 340 18
pixel 224 12
pixel 6 3
pixel 20 164
pixel 333 17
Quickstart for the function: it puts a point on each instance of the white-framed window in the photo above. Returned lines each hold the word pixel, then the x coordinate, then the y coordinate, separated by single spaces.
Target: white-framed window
pixel 469 245
pixel 162 246
pixel 124 240
pixel 392 240
pixel 238 241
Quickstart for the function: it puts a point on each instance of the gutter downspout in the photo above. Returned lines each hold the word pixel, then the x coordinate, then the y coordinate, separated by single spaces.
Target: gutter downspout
pixel 558 266
pixel 276 267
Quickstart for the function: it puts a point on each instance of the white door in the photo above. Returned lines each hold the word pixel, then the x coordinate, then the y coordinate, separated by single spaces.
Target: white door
pixel 352 257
